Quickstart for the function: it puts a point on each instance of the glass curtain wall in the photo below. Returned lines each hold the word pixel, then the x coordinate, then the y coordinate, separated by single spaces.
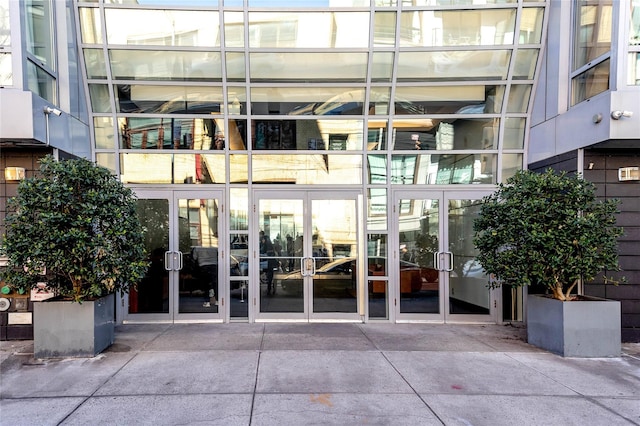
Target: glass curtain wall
pixel 347 80
pixel 6 73
pixel 40 45
pixel 633 72
pixel 368 95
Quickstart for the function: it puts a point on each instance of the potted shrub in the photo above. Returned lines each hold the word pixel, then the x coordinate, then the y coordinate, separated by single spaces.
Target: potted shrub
pixel 549 230
pixel 73 230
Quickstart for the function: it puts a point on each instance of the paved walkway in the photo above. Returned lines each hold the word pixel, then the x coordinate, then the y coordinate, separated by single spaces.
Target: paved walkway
pixel 300 374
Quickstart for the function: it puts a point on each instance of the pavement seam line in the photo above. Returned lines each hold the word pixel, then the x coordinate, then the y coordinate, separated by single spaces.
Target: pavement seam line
pixel 255 382
pixel 589 398
pixel 135 354
pixel 631 356
pixel 84 401
pixel 381 352
pixel 412 388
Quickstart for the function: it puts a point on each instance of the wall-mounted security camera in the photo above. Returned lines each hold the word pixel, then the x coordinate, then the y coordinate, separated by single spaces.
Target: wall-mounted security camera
pixel 617 114
pixel 54 111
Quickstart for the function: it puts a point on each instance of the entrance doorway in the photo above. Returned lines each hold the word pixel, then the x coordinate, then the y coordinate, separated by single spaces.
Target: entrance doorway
pixel 183 240
pixel 436 275
pixel 307 256
pixel 304 259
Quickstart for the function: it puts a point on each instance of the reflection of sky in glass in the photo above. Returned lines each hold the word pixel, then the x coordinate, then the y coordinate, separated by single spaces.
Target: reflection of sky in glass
pixel 5 30
pixel 635 22
pixel 254 3
pixel 199 3
pixel 6 75
pixel 294 3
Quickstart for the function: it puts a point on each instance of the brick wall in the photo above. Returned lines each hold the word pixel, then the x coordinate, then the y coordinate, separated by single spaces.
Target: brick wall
pixel 16 322
pixel 26 158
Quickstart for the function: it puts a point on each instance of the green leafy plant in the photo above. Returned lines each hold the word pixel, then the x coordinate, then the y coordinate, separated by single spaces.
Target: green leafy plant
pixel 547 229
pixel 427 244
pixel 74 226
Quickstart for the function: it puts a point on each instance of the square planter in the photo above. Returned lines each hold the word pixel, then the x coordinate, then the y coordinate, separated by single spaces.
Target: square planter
pixel 69 329
pixel 588 328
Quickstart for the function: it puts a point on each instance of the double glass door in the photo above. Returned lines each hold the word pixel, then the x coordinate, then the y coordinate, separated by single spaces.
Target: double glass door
pixel 436 275
pixel 308 264
pixel 183 240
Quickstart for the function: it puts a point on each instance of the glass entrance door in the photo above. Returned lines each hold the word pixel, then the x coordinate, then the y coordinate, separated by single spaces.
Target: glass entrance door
pixel 307 255
pixel 436 276
pixel 182 240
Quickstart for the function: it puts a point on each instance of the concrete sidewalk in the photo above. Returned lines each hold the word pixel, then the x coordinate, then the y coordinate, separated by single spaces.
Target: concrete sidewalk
pixel 299 374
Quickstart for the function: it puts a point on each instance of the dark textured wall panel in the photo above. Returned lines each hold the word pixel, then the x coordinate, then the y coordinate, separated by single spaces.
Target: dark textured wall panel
pixel 604 173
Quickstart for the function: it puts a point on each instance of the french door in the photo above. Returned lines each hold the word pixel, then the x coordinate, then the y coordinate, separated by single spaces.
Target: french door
pixel 436 277
pixel 183 241
pixel 307 256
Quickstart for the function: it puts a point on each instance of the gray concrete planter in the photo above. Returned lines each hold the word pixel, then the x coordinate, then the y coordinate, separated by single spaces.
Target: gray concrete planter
pixel 587 328
pixel 70 329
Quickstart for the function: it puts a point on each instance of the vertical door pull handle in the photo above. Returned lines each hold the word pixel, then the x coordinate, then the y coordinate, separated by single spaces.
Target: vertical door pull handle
pixel 180 261
pixel 312 261
pixel 450 265
pixel 167 261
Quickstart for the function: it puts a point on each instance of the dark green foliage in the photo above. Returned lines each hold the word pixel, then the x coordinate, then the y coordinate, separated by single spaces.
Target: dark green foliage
pixel 78 223
pixel 427 244
pixel 547 229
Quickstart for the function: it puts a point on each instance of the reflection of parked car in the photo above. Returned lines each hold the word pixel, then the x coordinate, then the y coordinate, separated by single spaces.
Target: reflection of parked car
pixel 334 279
pixel 338 278
pixel 473 268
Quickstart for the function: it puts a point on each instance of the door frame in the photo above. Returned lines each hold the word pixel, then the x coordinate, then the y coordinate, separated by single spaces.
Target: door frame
pixel 172 257
pixel 307 196
pixel 444 277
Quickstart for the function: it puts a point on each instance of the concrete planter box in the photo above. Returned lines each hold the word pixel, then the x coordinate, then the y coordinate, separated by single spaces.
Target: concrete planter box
pixel 587 328
pixel 71 329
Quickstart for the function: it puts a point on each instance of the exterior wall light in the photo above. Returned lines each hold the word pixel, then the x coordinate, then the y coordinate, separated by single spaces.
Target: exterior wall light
pixel 13 174
pixel 617 114
pixel 628 173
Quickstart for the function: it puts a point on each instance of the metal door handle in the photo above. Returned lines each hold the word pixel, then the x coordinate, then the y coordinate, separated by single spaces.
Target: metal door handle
pixel 308 266
pixel 313 265
pixel 180 261
pixel 173 258
pixel 167 261
pixel 450 266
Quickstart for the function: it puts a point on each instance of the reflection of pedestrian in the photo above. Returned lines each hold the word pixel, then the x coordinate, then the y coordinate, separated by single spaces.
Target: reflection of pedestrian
pixel 207 259
pixel 266 250
pixel 290 253
pixel 404 253
pixel 218 143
